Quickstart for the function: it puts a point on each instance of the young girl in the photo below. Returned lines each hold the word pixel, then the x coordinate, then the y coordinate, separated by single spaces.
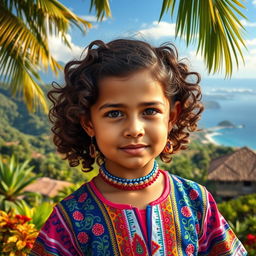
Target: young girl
pixel 123 105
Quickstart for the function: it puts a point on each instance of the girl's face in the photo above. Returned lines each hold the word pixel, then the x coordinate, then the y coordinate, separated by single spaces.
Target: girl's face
pixel 131 121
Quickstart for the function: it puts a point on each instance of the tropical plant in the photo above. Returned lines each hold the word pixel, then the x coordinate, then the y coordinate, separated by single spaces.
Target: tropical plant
pixel 16 234
pixel 24 30
pixel 14 177
pixel 38 214
pixel 26 25
pixel 214 25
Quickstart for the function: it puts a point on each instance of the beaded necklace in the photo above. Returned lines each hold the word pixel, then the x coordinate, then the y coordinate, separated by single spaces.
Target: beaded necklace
pixel 130 184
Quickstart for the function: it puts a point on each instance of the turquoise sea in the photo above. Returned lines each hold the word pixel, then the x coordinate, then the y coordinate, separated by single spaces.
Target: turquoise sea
pixel 237 101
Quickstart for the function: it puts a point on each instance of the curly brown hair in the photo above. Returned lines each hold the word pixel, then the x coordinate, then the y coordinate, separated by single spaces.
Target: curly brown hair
pixel 120 58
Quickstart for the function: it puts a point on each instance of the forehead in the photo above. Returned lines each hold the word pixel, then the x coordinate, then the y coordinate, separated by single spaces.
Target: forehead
pixel 138 86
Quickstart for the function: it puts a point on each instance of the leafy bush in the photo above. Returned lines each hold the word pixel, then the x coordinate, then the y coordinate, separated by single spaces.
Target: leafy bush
pixel 241 215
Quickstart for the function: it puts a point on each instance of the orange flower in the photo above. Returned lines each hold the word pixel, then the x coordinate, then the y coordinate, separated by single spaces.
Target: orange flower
pixel 17 236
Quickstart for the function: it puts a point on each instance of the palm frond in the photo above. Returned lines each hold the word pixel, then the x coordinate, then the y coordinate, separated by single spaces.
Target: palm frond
pixel 25 26
pixel 102 8
pixel 214 26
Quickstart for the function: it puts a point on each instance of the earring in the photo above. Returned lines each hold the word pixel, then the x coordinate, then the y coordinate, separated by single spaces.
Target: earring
pixel 168 147
pixel 92 149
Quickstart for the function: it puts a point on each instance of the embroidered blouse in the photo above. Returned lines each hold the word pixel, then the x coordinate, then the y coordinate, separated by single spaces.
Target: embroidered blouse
pixel 183 221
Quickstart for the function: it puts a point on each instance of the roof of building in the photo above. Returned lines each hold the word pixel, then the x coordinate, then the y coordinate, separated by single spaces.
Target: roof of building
pixel 237 166
pixel 47 187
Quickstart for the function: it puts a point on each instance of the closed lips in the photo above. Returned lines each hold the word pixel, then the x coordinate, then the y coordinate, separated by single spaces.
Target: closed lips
pixel 134 146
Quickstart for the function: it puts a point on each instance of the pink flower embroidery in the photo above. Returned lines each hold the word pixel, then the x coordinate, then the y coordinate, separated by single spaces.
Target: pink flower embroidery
pixel 78 216
pixel 185 210
pixel 82 197
pixel 97 229
pixel 193 194
pixel 190 249
pixel 82 237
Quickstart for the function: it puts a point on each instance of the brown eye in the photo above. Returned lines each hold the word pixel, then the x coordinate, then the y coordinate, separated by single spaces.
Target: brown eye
pixel 150 111
pixel 114 114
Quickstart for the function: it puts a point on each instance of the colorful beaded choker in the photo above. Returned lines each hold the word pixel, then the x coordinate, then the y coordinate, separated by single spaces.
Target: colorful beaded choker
pixel 130 184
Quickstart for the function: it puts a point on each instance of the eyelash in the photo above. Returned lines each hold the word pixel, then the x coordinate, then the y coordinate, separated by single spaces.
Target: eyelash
pixel 154 110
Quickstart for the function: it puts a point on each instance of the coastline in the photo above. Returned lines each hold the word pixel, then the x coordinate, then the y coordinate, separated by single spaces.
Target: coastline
pixel 209 138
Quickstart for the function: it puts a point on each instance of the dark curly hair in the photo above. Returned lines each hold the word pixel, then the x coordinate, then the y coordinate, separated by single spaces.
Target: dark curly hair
pixel 120 58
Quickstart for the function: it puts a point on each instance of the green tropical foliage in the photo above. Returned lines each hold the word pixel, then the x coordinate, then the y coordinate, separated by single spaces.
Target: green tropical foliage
pixel 24 30
pixel 14 177
pixel 214 26
pixel 241 215
pixel 38 214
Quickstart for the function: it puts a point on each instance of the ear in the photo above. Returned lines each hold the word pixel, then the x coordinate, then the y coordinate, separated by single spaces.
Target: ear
pixel 87 126
pixel 174 115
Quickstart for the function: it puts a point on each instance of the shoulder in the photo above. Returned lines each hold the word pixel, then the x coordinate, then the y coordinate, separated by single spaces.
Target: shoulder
pixel 187 186
pixel 78 199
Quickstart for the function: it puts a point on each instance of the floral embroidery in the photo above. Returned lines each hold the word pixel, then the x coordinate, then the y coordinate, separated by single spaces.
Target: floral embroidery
pixel 97 229
pixel 185 210
pixel 193 194
pixel 82 198
pixel 78 216
pixel 82 237
pixel 190 249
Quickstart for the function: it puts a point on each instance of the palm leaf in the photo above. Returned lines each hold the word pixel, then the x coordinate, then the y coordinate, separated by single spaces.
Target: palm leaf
pixel 25 26
pixel 214 25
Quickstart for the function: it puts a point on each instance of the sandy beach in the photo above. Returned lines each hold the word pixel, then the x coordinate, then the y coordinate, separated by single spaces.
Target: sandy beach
pixel 209 137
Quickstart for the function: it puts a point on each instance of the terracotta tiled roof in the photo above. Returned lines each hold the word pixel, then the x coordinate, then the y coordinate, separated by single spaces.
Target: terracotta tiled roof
pixel 47 186
pixel 237 166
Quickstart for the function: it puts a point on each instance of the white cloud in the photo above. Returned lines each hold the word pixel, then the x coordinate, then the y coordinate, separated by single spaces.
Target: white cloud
pixel 254 2
pixel 91 18
pixel 158 30
pixel 250 42
pixel 246 23
pixel 62 52
pixel 245 70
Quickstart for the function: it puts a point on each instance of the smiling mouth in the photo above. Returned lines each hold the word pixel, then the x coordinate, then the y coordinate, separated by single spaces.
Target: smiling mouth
pixel 134 149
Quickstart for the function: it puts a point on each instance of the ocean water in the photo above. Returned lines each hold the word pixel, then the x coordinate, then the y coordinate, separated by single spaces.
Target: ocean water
pixel 237 100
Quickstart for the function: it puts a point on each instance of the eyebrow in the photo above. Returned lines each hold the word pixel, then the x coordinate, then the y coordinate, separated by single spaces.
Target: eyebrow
pixel 120 105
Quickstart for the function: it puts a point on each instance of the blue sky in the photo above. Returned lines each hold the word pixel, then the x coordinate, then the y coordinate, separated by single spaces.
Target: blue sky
pixel 132 18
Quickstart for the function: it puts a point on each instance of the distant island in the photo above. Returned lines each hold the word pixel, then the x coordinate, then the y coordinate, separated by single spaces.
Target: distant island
pixel 228 124
pixel 208 134
pixel 211 104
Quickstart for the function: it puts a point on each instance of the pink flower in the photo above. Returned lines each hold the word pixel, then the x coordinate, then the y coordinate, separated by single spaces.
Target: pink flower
pixel 190 249
pixel 185 210
pixel 199 215
pixel 78 216
pixel 193 194
pixel 97 229
pixel 82 237
pixel 82 198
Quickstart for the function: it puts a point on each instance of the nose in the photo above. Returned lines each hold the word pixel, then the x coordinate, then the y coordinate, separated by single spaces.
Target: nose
pixel 134 128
